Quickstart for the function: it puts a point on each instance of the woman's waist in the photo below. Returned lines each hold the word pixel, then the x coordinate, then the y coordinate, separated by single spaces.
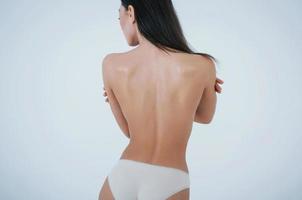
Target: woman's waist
pixel 173 157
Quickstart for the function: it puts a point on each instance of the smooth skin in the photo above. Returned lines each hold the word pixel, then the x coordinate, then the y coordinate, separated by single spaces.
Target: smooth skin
pixel 155 98
pixel 218 89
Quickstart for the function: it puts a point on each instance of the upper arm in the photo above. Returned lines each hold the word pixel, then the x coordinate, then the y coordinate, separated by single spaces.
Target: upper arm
pixel 207 105
pixel 108 80
pixel 107 71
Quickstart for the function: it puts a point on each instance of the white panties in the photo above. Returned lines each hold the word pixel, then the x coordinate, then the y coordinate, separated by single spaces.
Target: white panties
pixel 131 180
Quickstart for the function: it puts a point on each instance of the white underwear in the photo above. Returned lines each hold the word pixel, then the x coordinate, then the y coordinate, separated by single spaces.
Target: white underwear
pixel 131 180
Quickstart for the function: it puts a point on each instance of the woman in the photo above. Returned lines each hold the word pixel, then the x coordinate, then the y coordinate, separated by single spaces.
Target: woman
pixel 156 91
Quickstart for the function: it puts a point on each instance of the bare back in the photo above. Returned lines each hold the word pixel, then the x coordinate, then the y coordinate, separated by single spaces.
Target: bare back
pixel 158 95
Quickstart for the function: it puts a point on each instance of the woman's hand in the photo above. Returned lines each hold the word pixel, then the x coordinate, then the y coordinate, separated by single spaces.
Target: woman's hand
pixel 217 86
pixel 105 95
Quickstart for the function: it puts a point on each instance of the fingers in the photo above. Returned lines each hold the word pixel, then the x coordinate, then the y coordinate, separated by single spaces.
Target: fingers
pixel 218 88
pixel 105 95
pixel 219 80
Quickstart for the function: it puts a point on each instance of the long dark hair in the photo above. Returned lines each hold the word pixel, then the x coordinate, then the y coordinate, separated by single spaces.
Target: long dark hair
pixel 157 21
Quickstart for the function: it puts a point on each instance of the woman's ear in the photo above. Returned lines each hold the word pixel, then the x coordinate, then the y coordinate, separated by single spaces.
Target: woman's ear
pixel 131 13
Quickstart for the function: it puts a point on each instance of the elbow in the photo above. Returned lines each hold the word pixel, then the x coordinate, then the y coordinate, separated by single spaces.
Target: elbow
pixel 126 131
pixel 128 135
pixel 208 121
pixel 202 119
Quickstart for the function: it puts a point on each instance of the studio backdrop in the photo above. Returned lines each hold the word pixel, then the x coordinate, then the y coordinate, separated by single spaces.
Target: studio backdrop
pixel 59 138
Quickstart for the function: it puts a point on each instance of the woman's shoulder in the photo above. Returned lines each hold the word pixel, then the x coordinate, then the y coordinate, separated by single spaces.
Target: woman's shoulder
pixel 115 58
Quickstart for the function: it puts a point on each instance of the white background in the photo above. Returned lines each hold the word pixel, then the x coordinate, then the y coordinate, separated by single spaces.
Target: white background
pixel 59 139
